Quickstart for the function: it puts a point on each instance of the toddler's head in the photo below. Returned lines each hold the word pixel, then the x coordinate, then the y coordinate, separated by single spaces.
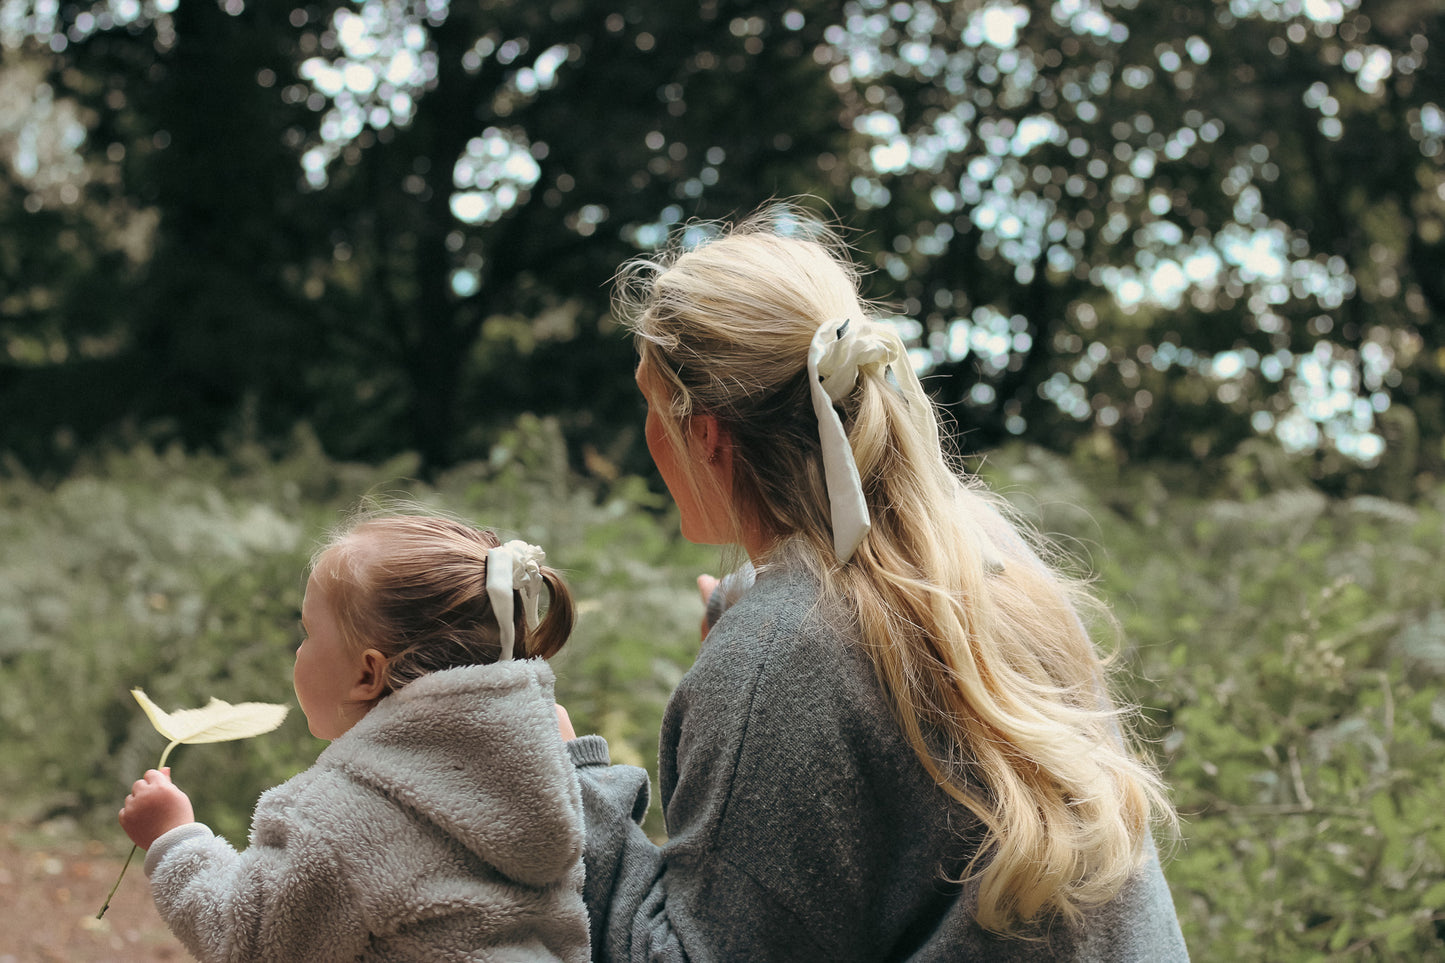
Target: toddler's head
pixel 415 589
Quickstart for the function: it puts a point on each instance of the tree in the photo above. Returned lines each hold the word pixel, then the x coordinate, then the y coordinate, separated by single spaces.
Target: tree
pixel 1162 228
pixel 545 145
pixel 1178 225
pixel 188 172
pixel 63 247
pixel 474 175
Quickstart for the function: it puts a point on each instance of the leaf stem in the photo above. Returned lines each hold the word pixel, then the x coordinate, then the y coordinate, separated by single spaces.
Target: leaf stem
pixel 109 896
pixel 166 754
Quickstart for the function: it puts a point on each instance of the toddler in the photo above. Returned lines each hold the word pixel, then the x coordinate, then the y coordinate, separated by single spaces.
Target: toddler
pixel 444 820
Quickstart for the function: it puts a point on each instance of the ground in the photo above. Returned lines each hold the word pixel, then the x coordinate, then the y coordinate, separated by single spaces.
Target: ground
pixel 53 882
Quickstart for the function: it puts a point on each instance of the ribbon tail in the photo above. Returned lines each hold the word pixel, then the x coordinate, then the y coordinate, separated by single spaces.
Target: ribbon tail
pixel 499 591
pixel 845 488
pixel 531 598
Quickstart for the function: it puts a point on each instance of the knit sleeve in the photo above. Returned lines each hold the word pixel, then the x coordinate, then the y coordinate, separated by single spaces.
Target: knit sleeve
pixel 622 864
pixel 280 900
pixel 698 897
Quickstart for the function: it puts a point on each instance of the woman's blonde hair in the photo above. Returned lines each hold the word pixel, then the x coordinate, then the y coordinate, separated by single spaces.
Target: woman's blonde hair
pixel 979 642
pixel 414 587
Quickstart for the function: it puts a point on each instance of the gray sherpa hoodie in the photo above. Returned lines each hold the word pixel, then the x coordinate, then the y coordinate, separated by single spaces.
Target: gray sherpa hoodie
pixel 446 825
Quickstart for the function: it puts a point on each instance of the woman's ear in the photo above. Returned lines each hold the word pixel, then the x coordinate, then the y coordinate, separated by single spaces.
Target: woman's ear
pixel 708 439
pixel 370 683
pixel 712 449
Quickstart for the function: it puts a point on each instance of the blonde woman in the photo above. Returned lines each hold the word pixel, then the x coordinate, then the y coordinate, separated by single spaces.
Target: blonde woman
pixel 899 743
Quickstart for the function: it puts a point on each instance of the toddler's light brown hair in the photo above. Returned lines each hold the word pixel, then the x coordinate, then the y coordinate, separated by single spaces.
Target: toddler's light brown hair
pixel 414 587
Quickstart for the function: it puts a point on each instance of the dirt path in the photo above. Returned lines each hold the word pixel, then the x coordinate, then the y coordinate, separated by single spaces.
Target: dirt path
pixel 51 886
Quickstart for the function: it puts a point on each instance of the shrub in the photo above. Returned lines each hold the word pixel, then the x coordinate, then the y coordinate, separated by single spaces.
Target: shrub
pixel 1287 650
pixel 183 574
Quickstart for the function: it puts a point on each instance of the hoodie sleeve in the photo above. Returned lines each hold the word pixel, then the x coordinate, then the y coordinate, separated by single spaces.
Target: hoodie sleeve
pixel 281 900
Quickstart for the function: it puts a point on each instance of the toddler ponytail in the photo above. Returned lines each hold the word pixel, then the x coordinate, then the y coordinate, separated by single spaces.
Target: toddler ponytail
pixel 415 588
pixel 547 639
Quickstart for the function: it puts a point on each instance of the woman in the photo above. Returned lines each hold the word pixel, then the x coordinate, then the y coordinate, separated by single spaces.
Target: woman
pixel 899 743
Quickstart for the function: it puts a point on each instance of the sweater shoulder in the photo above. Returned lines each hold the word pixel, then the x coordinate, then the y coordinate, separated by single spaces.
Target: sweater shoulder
pixel 780 631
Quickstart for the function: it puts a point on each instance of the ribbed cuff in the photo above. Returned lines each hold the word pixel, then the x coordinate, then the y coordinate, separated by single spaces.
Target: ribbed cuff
pixel 168 840
pixel 589 751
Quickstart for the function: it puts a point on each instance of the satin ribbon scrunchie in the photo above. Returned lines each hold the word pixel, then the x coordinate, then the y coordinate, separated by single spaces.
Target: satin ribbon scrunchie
pixel 515 566
pixel 835 357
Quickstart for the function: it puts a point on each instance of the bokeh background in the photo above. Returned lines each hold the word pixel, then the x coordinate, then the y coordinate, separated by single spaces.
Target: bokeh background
pixel 1177 270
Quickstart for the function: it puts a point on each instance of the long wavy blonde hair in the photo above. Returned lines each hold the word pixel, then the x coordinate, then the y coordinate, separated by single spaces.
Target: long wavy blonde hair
pixel 979 641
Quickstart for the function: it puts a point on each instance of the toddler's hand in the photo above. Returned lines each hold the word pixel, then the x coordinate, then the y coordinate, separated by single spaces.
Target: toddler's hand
pixel 706 584
pixel 564 725
pixel 154 807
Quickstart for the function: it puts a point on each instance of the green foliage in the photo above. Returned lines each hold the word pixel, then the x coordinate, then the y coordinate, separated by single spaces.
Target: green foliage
pixel 538 147
pixel 1065 170
pixel 1180 224
pixel 1287 648
pixel 184 574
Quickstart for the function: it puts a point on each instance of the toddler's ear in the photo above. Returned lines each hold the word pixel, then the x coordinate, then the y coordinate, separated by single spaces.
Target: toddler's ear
pixel 371 676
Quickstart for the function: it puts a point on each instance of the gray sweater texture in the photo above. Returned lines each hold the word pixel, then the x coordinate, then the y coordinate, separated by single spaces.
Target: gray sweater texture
pixel 446 825
pixel 801 824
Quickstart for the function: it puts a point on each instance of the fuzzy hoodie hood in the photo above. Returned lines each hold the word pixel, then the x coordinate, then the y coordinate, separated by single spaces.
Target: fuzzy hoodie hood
pixel 497 779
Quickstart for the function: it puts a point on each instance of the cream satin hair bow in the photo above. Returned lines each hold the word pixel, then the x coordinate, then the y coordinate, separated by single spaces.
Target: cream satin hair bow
pixel 514 566
pixel 839 351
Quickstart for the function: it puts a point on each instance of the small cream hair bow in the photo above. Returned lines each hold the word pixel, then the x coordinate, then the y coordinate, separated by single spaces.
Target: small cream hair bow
pixel 514 566
pixel 838 352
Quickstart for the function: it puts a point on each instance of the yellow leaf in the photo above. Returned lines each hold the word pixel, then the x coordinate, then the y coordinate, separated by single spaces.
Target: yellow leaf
pixel 216 721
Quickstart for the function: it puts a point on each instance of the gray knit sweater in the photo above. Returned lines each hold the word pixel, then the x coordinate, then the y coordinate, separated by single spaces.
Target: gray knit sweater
pixel 445 825
pixel 801 824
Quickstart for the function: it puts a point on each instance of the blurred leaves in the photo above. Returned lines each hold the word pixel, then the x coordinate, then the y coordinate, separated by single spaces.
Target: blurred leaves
pixel 1275 642
pixel 1279 642
pixel 386 215
pixel 1181 226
